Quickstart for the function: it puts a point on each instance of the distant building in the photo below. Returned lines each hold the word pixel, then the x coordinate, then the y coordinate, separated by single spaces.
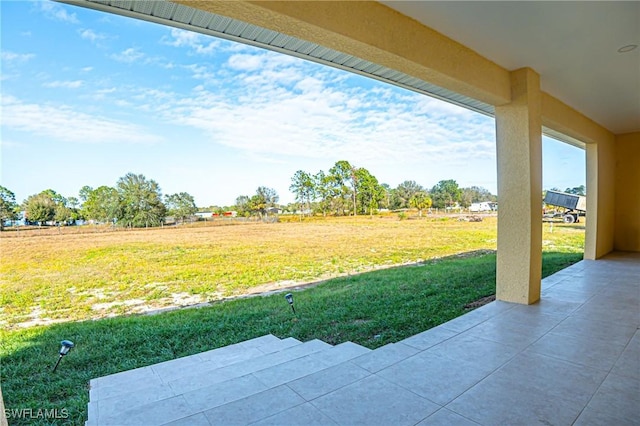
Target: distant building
pixel 20 221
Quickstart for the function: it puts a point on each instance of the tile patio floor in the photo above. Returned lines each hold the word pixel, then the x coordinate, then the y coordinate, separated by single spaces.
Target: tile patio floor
pixel 572 358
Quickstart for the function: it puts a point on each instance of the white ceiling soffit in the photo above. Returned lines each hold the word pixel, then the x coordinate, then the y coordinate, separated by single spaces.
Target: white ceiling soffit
pixel 573 45
pixel 184 17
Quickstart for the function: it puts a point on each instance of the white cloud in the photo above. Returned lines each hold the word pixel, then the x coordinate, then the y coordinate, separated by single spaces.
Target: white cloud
pixel 128 56
pixel 200 72
pixel 311 126
pixel 135 55
pixel 92 36
pixel 65 84
pixel 57 12
pixel 282 107
pixel 258 60
pixel 245 62
pixel 123 104
pixel 102 94
pixel 11 62
pixel 15 57
pixel 198 43
pixel 63 123
pixel 5 143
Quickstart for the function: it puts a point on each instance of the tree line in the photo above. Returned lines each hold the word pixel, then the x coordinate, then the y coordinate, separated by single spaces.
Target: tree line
pixel 136 201
pixel 347 189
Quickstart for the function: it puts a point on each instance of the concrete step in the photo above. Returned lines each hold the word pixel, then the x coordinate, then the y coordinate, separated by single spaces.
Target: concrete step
pixel 202 382
pixel 160 374
pixel 384 357
pixel 288 385
pixel 145 385
pixel 268 372
pixel 206 377
pixel 185 387
pixel 312 363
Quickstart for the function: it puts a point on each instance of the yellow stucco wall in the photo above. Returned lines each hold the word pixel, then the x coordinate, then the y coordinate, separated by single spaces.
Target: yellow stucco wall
pixel 558 116
pixel 627 204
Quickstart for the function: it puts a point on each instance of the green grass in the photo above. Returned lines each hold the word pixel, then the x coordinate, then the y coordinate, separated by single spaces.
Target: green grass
pixel 86 273
pixel 372 309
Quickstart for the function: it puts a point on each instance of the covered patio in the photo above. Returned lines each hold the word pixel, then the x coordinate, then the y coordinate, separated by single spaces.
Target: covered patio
pixel 562 350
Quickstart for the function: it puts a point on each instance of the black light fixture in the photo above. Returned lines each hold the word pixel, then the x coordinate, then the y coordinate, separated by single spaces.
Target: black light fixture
pixel 289 298
pixel 64 349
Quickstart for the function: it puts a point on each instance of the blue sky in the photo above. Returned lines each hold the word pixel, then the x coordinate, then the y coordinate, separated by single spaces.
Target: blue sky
pixel 88 97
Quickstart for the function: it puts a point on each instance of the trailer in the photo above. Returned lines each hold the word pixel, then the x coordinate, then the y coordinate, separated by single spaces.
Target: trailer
pixel 574 205
pixel 483 206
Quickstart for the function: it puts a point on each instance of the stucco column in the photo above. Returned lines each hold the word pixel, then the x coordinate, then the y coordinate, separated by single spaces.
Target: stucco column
pixel 627 192
pixel 519 152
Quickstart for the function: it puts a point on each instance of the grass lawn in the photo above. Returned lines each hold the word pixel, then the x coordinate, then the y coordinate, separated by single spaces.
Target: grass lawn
pixel 46 276
pixel 371 308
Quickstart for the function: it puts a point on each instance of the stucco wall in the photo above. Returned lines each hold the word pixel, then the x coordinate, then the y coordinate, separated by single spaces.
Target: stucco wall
pixel 627 204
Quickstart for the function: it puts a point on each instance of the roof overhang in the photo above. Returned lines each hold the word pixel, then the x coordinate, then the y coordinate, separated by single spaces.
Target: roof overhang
pixel 212 24
pixel 191 19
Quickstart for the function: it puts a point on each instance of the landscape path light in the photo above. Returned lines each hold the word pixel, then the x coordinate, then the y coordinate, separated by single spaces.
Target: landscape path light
pixel 64 349
pixel 289 298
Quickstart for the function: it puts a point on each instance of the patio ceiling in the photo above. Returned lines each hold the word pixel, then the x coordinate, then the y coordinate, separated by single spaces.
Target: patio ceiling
pixel 572 45
pixel 578 64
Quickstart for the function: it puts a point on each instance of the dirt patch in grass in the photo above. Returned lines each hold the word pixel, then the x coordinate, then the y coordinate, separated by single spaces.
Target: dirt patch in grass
pixel 480 302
